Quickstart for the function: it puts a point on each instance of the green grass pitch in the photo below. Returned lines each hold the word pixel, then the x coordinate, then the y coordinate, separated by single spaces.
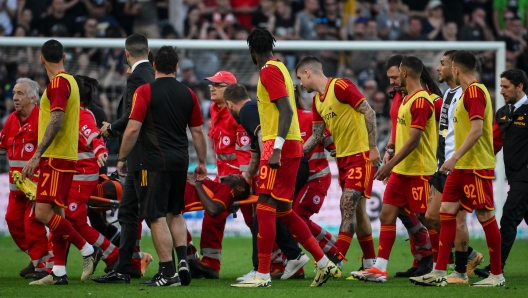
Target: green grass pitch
pixel 236 260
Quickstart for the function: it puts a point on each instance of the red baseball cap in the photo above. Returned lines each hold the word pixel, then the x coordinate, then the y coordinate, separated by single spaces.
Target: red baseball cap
pixel 222 77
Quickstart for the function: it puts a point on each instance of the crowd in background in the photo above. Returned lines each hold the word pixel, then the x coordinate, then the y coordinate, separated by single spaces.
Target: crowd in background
pixel 317 20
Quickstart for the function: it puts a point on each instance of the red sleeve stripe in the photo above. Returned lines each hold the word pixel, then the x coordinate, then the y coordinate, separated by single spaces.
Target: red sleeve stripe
pixel 418 126
pixel 476 117
pixel 341 84
pixel 359 102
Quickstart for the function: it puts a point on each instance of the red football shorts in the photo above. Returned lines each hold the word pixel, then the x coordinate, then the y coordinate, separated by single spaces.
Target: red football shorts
pixel 279 183
pixel 356 172
pixel 55 179
pixel 469 189
pixel 407 192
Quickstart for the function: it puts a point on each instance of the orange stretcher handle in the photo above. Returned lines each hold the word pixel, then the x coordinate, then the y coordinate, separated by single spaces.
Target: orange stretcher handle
pixel 104 200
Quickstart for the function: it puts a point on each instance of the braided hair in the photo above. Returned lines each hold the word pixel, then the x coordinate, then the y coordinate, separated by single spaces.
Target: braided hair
pixel 425 76
pixel 261 41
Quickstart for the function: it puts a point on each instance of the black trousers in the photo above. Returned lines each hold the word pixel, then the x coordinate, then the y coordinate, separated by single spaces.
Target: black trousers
pixel 128 219
pixel 514 211
pixel 283 238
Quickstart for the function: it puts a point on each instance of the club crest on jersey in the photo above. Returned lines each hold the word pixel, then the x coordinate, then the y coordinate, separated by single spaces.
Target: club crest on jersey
pixel 316 200
pixel 226 140
pixel 72 207
pixel 29 147
pixel 329 116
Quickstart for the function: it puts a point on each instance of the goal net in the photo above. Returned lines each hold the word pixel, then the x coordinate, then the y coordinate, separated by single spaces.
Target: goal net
pixel 360 62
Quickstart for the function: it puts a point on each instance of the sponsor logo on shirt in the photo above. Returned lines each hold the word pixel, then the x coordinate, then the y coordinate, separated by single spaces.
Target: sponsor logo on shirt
pixel 401 121
pixel 329 116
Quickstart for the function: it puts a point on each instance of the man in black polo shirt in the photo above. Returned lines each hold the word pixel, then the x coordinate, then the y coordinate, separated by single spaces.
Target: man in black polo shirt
pixel 512 120
pixel 161 112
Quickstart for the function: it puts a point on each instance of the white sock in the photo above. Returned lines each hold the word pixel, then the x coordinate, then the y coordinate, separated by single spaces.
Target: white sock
pixel 59 270
pixel 263 275
pixel 439 272
pixel 87 250
pixel 323 262
pixel 369 263
pixel 381 264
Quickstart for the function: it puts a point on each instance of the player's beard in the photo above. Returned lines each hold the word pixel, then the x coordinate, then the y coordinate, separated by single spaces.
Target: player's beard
pixel 235 115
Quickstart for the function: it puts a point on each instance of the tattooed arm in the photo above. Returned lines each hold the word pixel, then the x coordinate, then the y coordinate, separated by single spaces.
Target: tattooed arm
pixel 51 132
pixel 370 121
pixel 56 119
pixel 318 129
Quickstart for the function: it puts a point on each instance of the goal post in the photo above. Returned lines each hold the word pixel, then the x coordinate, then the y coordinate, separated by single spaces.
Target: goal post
pixel 498 48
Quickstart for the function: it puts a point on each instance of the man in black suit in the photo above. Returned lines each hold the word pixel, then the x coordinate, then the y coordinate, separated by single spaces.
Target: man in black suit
pixel 136 49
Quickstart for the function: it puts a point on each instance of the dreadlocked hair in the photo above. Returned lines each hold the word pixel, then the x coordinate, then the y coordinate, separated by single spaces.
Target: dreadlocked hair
pixel 425 76
pixel 89 85
pixel 261 41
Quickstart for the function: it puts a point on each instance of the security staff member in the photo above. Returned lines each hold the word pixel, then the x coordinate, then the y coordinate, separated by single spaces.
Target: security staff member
pixel 512 120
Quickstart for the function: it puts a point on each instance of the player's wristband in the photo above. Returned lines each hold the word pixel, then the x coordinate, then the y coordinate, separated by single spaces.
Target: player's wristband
pixel 279 142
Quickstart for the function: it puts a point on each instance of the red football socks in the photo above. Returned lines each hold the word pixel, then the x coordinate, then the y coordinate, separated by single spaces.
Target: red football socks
pixel 62 227
pixel 266 216
pixel 447 238
pixel 343 242
pixel 301 232
pixel 435 240
pixel 367 246
pixel 493 239
pixel 386 240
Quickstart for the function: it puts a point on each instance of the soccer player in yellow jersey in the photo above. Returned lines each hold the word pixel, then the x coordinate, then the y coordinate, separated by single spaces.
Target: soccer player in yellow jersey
pixel 470 172
pixel 277 163
pixel 340 106
pixel 56 156
pixel 412 166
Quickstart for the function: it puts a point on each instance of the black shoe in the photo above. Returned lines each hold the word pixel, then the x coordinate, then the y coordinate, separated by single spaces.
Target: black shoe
pixel 51 279
pixel 37 275
pixel 202 269
pixel 135 273
pixel 28 270
pixel 482 272
pixel 184 273
pixel 150 281
pixel 98 255
pixel 113 278
pixel 426 266
pixel 162 281
pixel 110 267
pixel 409 273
